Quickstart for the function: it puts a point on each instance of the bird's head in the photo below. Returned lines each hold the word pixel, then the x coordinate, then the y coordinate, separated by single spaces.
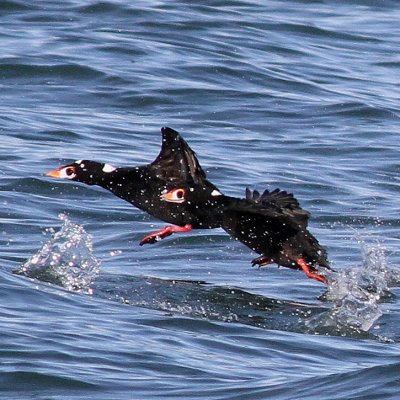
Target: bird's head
pixel 85 171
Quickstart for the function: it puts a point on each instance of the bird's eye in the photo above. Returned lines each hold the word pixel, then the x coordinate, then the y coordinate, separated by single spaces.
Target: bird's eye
pixel 174 196
pixel 70 171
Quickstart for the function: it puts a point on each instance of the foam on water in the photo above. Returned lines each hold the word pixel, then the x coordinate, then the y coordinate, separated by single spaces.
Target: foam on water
pixel 67 259
pixel 357 294
pixel 354 299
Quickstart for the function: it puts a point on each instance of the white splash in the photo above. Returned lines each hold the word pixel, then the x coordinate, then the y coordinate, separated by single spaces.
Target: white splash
pixel 356 294
pixel 66 259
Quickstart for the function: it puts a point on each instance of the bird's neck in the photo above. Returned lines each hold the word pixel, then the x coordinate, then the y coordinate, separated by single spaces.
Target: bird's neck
pixel 134 185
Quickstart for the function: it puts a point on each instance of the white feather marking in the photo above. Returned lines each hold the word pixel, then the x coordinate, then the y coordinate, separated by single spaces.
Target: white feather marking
pixel 216 193
pixel 108 168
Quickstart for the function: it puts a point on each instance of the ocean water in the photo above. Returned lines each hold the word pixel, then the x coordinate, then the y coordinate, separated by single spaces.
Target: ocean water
pixel 298 95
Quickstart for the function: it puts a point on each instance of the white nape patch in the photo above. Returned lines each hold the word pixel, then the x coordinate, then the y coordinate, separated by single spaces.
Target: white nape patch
pixel 108 168
pixel 78 161
pixel 216 193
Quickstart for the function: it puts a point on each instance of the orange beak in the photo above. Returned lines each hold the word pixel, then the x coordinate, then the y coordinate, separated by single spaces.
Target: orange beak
pixel 55 173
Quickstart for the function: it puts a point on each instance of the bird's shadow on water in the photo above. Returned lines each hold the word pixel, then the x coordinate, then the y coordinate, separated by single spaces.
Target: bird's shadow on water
pixel 203 300
pixel 351 305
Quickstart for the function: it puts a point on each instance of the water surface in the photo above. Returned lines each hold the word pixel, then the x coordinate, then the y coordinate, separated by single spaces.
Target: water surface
pixel 290 94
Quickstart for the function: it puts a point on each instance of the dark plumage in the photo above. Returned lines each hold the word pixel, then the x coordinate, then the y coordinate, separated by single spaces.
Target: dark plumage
pixel 143 186
pixel 174 188
pixel 272 224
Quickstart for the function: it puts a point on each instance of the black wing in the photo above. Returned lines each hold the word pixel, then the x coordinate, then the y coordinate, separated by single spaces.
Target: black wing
pixel 277 204
pixel 177 161
pixel 273 224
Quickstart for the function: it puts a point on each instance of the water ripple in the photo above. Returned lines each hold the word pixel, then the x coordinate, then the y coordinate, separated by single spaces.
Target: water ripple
pixel 298 95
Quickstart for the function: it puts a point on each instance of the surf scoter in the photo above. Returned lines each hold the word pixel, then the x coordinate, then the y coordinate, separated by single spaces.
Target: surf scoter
pixel 272 224
pixel 143 186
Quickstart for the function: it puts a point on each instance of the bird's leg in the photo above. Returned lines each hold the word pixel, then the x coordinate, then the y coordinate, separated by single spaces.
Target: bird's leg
pixel 306 269
pixel 164 232
pixel 261 261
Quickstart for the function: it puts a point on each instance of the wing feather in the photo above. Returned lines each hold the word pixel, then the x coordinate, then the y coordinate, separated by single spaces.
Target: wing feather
pixel 177 161
pixel 277 204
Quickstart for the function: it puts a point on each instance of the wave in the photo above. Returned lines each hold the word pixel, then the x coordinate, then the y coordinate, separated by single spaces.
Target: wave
pixel 33 71
pixel 351 305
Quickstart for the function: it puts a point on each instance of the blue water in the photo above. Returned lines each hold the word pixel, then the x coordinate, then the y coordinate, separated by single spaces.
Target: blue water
pixel 298 95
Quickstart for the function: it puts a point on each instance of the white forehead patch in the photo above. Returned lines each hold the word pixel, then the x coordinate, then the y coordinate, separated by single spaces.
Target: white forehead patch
pixel 108 168
pixel 216 193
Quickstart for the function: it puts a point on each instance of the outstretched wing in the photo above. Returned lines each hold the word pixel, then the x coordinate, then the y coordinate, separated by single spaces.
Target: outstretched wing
pixel 177 161
pixel 277 204
pixel 264 220
pixel 273 224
